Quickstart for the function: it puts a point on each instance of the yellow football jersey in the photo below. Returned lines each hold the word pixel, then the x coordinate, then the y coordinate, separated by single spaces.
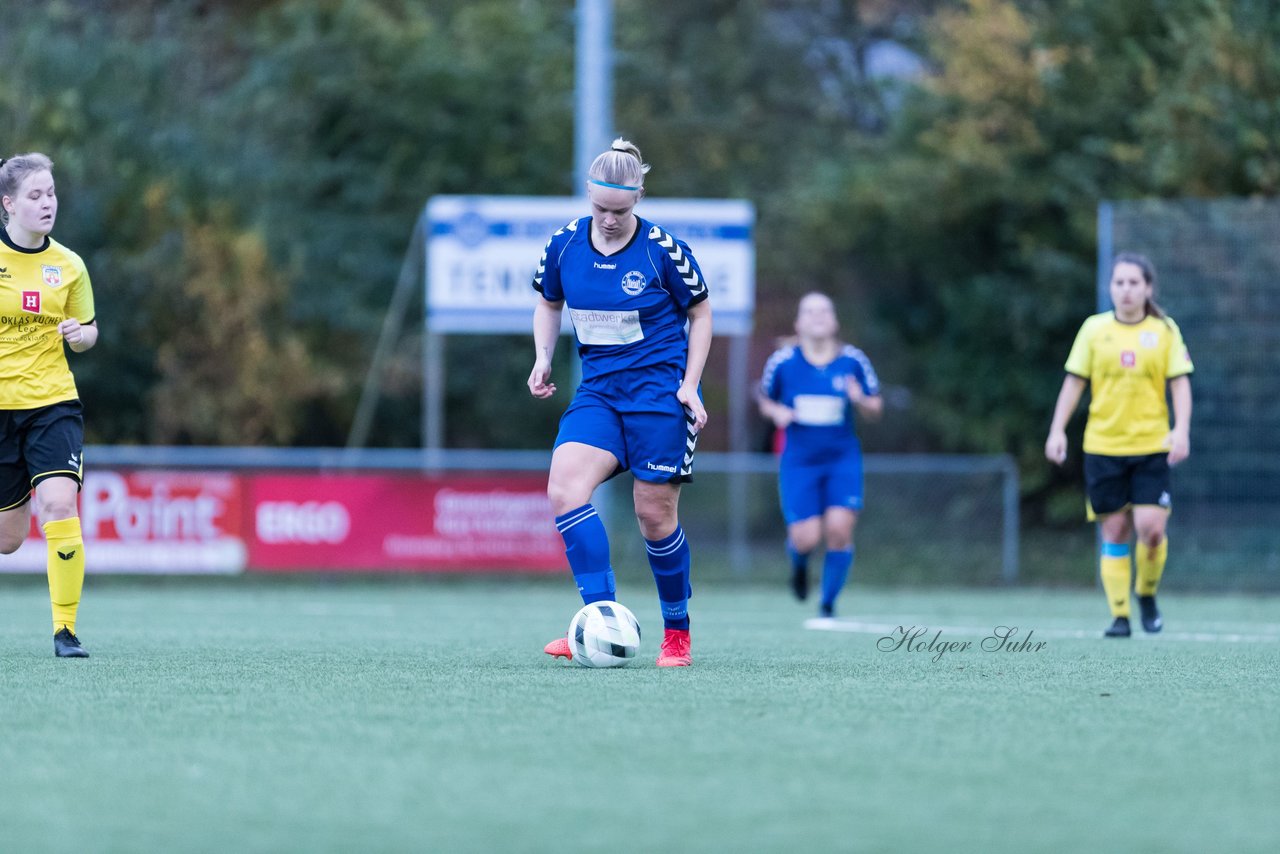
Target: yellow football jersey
pixel 1128 366
pixel 39 288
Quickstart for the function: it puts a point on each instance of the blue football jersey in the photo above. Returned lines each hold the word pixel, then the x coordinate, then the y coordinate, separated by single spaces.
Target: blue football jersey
pixel 823 423
pixel 628 309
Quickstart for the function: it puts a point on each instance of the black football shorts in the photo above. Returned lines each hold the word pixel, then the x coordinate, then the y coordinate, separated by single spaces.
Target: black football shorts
pixel 1116 483
pixel 36 444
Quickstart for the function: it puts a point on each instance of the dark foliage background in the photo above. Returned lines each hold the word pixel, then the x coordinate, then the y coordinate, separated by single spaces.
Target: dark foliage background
pixel 242 179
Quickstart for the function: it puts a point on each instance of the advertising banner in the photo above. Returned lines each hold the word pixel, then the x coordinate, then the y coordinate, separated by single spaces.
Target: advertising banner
pixel 179 522
pixel 361 522
pixel 207 522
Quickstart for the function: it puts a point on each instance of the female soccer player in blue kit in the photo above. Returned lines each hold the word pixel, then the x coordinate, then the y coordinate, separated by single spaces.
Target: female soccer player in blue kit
pixel 630 287
pixel 811 389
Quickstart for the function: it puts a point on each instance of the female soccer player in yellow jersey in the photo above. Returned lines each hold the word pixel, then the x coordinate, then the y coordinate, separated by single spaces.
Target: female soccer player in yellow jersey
pixel 45 299
pixel 1128 356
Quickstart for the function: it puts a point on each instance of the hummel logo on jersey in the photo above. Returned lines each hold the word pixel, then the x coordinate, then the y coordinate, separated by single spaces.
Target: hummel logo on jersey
pixel 600 266
pixel 67 555
pixel 667 469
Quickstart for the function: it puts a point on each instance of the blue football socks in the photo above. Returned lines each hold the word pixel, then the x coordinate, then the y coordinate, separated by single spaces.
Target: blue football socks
pixel 586 545
pixel 669 560
pixel 835 571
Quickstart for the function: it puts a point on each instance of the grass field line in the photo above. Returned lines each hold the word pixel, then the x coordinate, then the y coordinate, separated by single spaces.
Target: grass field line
pixel 893 629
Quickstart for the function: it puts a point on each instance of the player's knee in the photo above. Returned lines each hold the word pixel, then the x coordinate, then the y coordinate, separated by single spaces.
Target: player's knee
pixel 837 530
pixel 565 497
pixel 1116 529
pixel 1152 537
pixel 57 508
pixel 804 541
pixel 655 523
pixel 9 543
pixel 657 518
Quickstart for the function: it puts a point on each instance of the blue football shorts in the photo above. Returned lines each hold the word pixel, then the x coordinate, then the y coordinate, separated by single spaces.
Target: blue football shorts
pixel 807 491
pixel 635 416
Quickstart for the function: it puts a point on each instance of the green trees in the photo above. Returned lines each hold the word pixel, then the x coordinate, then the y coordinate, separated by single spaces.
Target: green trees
pixel 971 222
pixel 242 179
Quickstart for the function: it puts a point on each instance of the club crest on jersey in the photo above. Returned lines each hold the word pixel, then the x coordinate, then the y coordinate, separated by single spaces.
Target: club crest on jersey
pixel 1128 358
pixel 52 275
pixel 31 301
pixel 633 283
pixel 1148 339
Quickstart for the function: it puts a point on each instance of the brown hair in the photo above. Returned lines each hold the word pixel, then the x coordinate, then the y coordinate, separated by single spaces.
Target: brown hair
pixel 1143 263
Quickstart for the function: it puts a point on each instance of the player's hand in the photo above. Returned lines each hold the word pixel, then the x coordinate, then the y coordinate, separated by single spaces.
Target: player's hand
pixel 693 405
pixel 853 389
pixel 782 416
pixel 71 331
pixel 1179 447
pixel 1055 447
pixel 540 385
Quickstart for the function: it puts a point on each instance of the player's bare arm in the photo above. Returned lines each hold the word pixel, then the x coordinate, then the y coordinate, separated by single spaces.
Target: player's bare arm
pixel 1055 447
pixel 1180 435
pixel 699 347
pixel 546 329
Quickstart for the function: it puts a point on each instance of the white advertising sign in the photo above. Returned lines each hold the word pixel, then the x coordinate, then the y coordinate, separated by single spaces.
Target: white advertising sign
pixel 483 251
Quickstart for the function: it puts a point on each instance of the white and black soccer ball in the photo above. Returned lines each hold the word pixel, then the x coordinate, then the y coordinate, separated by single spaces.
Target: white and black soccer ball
pixel 604 634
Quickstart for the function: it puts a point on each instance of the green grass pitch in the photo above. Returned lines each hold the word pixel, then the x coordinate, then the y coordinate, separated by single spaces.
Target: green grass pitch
pixel 421 715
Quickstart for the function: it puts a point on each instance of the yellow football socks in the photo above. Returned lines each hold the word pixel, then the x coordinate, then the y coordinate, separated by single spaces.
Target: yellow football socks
pixel 66 570
pixel 1151 566
pixel 1116 577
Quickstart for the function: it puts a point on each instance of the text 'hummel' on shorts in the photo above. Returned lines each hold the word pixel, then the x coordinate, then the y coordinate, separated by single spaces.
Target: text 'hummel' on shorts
pixel 637 418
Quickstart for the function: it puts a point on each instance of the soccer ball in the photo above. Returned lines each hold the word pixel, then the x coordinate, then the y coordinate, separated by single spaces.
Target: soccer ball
pixel 604 634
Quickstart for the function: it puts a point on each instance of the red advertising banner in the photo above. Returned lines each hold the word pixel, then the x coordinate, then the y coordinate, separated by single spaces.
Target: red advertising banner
pixel 407 523
pixel 152 522
pixel 199 522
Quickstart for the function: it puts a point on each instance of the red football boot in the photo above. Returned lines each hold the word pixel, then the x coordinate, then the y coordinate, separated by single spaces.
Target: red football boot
pixel 559 648
pixel 675 649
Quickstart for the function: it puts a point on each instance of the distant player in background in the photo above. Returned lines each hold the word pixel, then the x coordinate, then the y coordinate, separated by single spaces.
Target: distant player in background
pixel 45 299
pixel 812 390
pixel 1128 356
pixel 630 287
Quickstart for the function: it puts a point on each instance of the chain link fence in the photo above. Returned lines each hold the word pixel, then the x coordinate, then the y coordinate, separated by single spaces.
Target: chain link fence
pixel 1218 267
